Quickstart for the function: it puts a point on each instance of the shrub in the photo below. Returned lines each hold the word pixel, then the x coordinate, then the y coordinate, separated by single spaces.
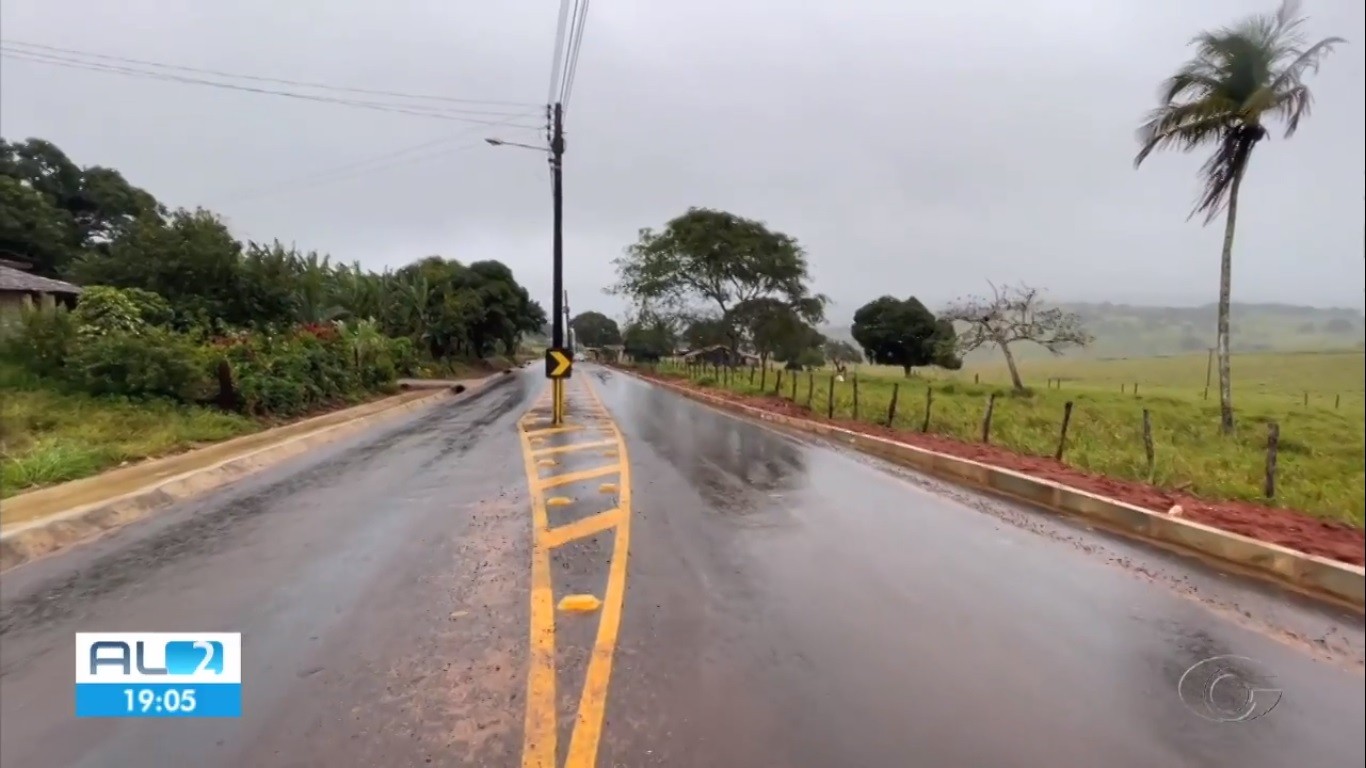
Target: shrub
pixel 103 311
pixel 41 340
pixel 151 363
pixel 404 356
pixel 151 307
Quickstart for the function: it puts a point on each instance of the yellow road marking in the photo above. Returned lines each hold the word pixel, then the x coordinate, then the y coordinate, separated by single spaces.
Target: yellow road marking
pixel 539 746
pixel 563 534
pixel 580 603
pixel 555 481
pixel 583 741
pixel 552 431
pixel 574 447
pixel 559 501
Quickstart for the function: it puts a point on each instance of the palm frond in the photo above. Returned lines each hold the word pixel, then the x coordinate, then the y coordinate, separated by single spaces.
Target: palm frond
pixel 1238 77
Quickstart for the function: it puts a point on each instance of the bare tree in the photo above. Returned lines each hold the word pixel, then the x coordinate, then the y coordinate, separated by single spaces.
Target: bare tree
pixel 1012 314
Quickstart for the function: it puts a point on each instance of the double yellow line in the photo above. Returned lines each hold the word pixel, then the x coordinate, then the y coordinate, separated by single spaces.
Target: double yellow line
pixel 591 431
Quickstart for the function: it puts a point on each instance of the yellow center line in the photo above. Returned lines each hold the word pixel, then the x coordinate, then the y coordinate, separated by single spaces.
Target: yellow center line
pixel 539 746
pixel 583 742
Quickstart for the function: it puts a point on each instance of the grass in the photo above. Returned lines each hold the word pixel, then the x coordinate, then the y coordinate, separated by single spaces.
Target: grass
pixel 1329 379
pixel 1321 452
pixel 49 437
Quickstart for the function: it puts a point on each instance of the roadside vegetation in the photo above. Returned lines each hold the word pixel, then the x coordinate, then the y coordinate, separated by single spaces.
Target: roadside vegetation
pixel 183 335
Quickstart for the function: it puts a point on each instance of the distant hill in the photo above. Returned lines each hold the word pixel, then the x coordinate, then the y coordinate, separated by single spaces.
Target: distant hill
pixel 1125 330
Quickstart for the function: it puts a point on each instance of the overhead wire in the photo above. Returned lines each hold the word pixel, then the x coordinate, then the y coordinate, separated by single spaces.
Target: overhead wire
pixel 572 62
pixel 556 62
pixel 354 168
pixel 258 78
pixel 440 114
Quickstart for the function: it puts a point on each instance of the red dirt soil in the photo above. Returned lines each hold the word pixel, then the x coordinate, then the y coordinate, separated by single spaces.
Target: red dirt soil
pixel 1287 527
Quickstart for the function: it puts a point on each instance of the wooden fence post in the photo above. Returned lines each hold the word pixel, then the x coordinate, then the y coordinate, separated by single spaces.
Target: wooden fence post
pixel 929 401
pixel 1062 438
pixel 891 409
pixel 1273 444
pixel 986 418
pixel 794 386
pixel 830 402
pixel 1148 452
pixel 778 384
pixel 810 388
pixel 763 378
pixel 856 397
pixel 751 375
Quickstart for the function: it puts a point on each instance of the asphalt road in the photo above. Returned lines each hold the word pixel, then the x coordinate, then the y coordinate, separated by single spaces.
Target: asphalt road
pixel 786 604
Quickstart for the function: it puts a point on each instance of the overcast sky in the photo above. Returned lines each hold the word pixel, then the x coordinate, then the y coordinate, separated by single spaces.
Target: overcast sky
pixel 913 148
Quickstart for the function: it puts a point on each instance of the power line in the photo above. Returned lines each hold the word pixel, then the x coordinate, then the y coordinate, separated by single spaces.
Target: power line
pixel 277 80
pixel 573 67
pixel 444 114
pixel 555 58
pixel 568 51
pixel 339 173
pixel 355 174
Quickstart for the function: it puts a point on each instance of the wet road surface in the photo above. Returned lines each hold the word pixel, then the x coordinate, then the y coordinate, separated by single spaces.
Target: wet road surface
pixel 786 603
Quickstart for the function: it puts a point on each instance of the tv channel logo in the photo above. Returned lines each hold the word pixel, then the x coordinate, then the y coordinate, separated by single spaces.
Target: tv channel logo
pixel 158 674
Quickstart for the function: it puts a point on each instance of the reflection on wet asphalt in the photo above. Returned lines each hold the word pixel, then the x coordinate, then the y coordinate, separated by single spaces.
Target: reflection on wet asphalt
pixel 787 604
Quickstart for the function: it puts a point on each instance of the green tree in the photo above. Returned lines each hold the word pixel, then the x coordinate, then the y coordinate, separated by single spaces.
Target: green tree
pixel 648 337
pixel 98 203
pixel 700 332
pixel 191 260
pixel 33 228
pixel 594 329
pixel 1240 78
pixel 714 258
pixel 900 332
pixel 775 329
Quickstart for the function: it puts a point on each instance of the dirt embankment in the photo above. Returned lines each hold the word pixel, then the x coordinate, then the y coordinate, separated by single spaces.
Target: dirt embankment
pixel 1286 527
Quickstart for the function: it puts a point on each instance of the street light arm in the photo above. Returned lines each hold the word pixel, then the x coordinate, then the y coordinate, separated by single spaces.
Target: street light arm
pixel 501 143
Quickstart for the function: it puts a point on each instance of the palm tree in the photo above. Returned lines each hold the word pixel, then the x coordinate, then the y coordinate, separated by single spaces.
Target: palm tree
pixel 1240 77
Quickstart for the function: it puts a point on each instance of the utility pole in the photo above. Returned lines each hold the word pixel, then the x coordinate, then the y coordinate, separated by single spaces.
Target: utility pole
pixel 568 327
pixel 558 308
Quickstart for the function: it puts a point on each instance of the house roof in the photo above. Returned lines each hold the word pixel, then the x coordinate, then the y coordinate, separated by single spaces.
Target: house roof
pixel 12 279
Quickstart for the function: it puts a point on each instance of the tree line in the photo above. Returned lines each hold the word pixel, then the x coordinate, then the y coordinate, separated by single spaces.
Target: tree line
pixel 173 307
pixel 90 226
pixel 711 278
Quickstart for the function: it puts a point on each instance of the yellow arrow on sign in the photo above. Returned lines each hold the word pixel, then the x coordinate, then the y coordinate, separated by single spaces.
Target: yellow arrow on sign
pixel 562 363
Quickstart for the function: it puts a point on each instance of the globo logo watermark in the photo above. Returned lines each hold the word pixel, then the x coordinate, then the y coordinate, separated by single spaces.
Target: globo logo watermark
pixel 1229 689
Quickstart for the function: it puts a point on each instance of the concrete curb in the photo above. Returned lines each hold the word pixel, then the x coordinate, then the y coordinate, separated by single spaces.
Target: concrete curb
pixel 22 542
pixel 1317 576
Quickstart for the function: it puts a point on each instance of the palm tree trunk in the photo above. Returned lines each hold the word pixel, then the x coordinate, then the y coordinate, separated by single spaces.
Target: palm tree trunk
pixel 1225 290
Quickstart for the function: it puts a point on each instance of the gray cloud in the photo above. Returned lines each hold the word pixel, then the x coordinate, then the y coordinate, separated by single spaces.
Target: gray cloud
pixel 911 148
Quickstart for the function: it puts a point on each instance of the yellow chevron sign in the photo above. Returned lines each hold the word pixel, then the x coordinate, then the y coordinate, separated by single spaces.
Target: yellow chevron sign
pixel 558 364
